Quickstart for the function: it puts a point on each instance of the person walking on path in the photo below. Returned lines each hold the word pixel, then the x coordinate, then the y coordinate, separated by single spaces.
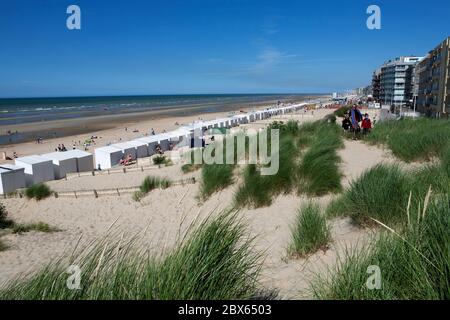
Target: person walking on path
pixel 355 117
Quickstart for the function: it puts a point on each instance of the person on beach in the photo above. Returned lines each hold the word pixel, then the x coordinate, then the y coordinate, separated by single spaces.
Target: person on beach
pixel 346 124
pixel 355 118
pixel 366 124
pixel 153 132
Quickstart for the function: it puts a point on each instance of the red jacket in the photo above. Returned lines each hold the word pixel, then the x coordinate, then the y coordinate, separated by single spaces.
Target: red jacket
pixel 366 124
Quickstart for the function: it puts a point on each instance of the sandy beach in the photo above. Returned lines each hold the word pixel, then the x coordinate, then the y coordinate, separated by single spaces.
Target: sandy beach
pixel 162 216
pixel 113 128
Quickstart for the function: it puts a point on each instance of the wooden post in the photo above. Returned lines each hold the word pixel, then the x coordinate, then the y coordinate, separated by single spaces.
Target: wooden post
pixel 56 194
pixel 93 172
pixel 124 170
pixel 118 192
pixel 75 193
pixel 95 193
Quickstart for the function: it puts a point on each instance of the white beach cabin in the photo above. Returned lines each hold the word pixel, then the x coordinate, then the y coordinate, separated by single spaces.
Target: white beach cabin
pixel 127 149
pixel 63 163
pixel 107 157
pixel 150 142
pixel 11 178
pixel 37 169
pixel 164 141
pixel 85 160
pixel 141 148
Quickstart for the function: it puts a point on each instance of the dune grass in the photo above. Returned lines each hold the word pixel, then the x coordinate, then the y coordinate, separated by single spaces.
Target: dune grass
pixel 161 160
pixel 412 139
pixel 310 231
pixel 414 262
pixel 342 111
pixel 383 193
pixel 380 192
pixel 38 226
pixel 215 177
pixel 258 190
pixel 38 191
pixel 190 158
pixel 318 171
pixel 190 167
pixel 214 261
pixel 150 183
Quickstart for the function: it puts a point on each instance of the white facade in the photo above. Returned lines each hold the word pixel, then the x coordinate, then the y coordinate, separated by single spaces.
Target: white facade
pixel 11 178
pixel 85 160
pixel 107 157
pixel 63 163
pixel 37 169
pixel 127 149
pixel 141 148
pixel 151 142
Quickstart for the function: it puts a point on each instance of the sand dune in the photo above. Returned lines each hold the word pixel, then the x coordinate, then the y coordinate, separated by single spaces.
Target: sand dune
pixel 164 215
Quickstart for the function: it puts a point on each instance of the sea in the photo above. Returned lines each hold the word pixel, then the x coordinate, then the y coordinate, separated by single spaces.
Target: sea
pixel 26 110
pixel 21 111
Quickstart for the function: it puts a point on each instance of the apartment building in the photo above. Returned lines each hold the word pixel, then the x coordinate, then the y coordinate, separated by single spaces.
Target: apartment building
pixel 376 85
pixel 434 82
pixel 396 81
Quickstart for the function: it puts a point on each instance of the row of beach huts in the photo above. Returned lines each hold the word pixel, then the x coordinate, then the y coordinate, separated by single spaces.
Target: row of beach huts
pixel 35 169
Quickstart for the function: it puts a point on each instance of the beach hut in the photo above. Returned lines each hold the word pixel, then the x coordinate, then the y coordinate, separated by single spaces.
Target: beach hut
pixel 63 163
pixel 127 149
pixel 37 169
pixel 182 137
pixel 107 157
pixel 141 148
pixel 11 178
pixel 151 142
pixel 85 160
pixel 164 141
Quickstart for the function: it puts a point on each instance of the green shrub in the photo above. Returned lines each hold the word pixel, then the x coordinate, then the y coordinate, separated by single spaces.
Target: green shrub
pixel 310 232
pixel 215 261
pixel 38 191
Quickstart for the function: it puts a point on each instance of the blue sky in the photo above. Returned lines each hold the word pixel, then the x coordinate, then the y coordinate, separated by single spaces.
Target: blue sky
pixel 216 46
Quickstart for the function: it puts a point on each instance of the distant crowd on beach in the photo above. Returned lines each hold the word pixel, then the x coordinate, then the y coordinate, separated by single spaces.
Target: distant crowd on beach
pixel 355 122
